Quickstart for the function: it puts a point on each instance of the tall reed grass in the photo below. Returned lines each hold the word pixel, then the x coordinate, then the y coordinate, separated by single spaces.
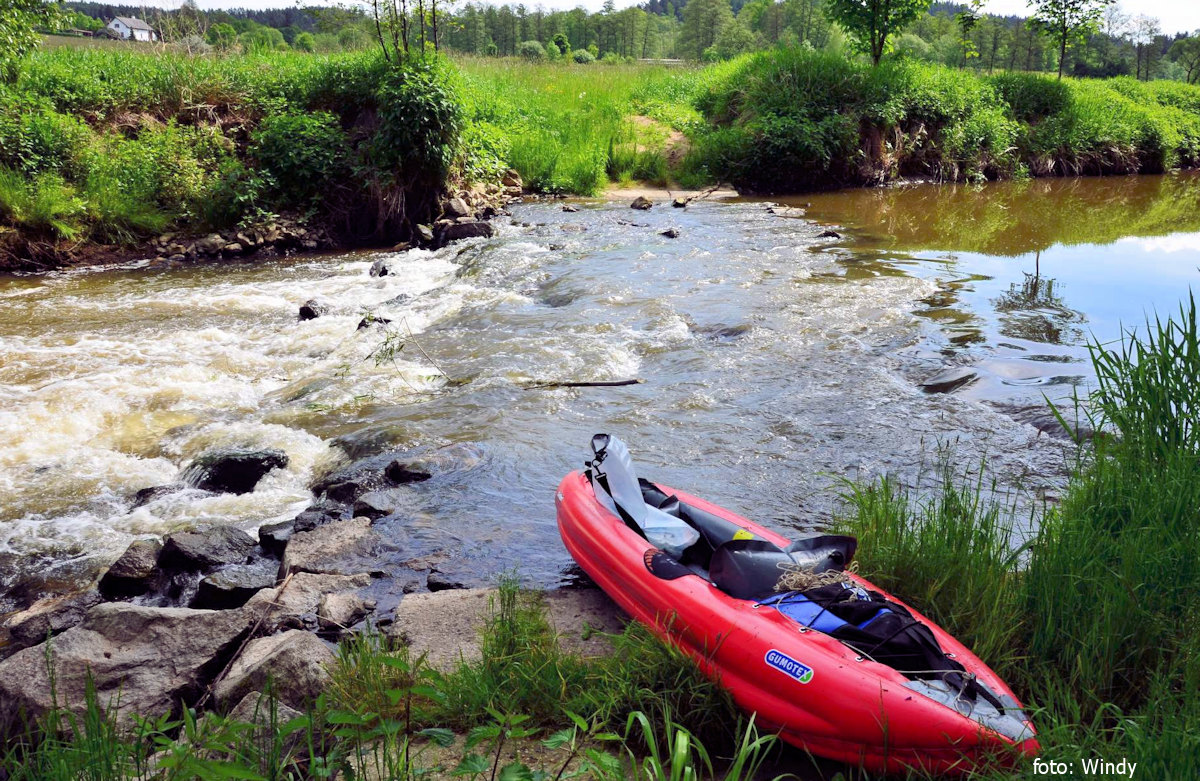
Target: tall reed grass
pixel 1096 625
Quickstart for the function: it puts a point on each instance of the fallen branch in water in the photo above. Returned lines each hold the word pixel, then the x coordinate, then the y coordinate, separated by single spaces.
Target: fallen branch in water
pixel 591 384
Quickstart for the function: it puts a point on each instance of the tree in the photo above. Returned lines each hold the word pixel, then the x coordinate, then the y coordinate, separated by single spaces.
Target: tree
pixel 351 38
pixel 222 36
pixel 304 42
pixel 734 39
pixel 1143 32
pixel 18 36
pixel 873 22
pixel 1067 22
pixel 703 21
pixel 1186 53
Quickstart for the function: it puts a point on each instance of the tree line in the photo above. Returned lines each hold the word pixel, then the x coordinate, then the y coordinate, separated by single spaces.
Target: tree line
pixel 1073 37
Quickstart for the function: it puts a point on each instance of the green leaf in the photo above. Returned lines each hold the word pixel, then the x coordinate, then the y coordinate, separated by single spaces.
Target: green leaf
pixel 480 734
pixel 559 739
pixel 578 721
pixel 439 735
pixel 429 693
pixel 515 771
pixel 471 764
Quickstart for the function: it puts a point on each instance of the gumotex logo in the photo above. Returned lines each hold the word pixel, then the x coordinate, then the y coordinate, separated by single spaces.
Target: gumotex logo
pixel 781 661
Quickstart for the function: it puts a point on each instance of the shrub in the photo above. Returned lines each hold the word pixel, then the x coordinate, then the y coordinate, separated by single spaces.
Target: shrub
pixel 305 42
pixel 304 154
pixel 583 56
pixel 531 50
pixel 419 124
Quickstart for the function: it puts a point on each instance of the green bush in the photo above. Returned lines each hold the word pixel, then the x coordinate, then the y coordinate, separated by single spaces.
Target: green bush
pixel 532 51
pixel 419 124
pixel 583 57
pixel 1030 96
pixel 302 154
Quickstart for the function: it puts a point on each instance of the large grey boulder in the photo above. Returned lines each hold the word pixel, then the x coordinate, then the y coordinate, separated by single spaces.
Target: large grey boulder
pixel 206 548
pixel 339 548
pixel 294 662
pixel 297 601
pixel 340 611
pixel 143 660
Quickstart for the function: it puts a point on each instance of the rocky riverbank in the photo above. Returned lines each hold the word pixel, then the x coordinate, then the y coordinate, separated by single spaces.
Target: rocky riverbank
pixel 463 214
pixel 207 617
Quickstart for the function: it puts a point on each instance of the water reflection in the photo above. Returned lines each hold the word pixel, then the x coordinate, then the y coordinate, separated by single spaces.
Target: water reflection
pixel 1025 273
pixel 1033 309
pixel 1014 218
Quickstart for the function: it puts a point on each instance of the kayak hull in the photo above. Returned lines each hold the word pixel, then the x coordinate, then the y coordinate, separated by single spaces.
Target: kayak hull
pixel 813 690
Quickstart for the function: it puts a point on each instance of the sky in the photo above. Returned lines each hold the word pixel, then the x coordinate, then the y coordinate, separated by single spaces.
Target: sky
pixel 1174 15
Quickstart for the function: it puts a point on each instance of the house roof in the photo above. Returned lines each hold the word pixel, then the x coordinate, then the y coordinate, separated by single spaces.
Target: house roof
pixel 133 23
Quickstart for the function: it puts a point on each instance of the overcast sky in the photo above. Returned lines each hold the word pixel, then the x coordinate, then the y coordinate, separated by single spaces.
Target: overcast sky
pixel 1175 15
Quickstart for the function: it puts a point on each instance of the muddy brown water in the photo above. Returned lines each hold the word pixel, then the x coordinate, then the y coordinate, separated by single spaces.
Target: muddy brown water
pixel 775 362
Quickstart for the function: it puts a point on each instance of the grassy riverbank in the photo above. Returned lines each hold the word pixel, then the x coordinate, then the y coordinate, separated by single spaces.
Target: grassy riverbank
pixel 116 146
pixel 1092 619
pixel 788 120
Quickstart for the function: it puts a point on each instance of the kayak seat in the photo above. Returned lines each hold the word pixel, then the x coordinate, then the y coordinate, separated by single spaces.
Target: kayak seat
pixel 714 530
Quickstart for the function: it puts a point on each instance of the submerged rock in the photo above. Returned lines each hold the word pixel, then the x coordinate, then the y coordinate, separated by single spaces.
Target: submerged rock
pixel 829 234
pixel 679 203
pixel 949 380
pixel 374 504
pixel 233 471
pixel 641 203
pixel 400 473
pixel 438 581
pixel 467 230
pixel 147 495
pixel 208 548
pixel 380 268
pixel 670 233
pixel 313 308
pixel 142 660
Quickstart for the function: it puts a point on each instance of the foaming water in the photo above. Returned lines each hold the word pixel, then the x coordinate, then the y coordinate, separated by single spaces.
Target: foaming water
pixel 774 364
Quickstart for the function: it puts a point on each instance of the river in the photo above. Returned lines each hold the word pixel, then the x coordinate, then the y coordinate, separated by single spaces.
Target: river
pixel 775 362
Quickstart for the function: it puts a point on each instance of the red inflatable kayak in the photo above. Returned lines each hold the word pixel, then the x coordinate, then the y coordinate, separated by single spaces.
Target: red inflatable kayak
pixel 805 672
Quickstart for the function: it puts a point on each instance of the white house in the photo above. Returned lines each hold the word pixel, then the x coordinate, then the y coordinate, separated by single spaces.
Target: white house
pixel 131 27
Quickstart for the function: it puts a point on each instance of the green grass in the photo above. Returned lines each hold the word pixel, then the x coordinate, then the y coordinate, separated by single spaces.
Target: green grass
pixel 1095 624
pixel 567 127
